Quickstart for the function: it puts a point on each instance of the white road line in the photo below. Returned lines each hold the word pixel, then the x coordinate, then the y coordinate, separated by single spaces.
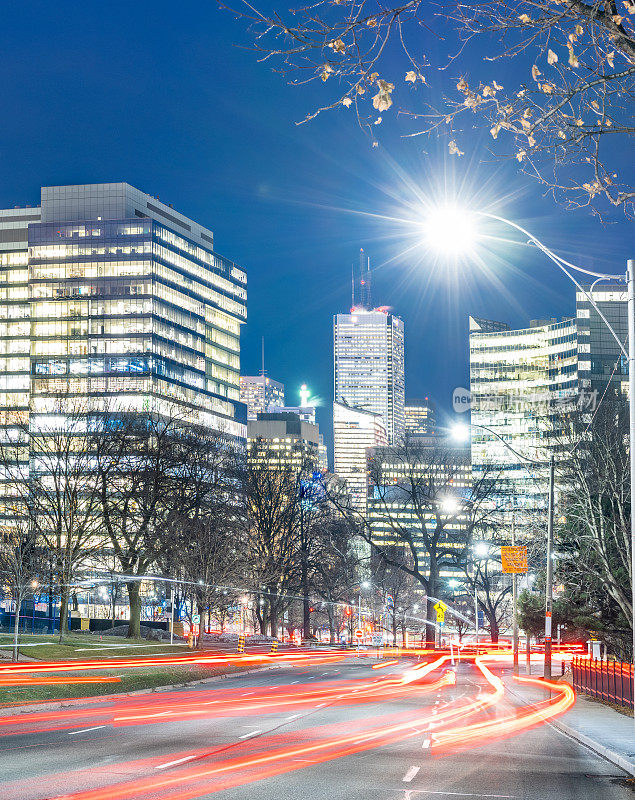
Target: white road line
pixel 85 730
pixel 410 774
pixel 174 763
pixel 247 735
pixel 321 705
pixel 326 673
pixel 293 716
pixel 467 794
pixel 294 682
pixel 426 744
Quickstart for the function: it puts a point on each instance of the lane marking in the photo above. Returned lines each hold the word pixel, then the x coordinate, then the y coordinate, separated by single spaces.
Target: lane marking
pixel 247 735
pixel 85 730
pixel 467 794
pixel 174 763
pixel 293 716
pixel 410 774
pixel 426 744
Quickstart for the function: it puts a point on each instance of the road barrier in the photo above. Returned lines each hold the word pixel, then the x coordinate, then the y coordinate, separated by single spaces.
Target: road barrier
pixel 274 647
pixel 241 643
pixel 611 681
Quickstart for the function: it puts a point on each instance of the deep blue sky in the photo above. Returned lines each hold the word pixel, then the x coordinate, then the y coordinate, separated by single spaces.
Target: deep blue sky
pixel 159 95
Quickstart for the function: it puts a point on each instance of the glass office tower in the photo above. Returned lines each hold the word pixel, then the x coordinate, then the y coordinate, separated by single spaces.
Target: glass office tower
pixel 369 366
pixel 110 295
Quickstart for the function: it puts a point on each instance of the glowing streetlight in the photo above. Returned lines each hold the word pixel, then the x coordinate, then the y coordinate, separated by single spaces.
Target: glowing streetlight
pixel 449 505
pixel 451 230
pixel 481 549
pixel 460 432
pixel 305 394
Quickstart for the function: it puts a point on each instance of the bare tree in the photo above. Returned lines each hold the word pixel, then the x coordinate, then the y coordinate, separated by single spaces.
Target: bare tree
pixel 20 563
pixel 564 122
pixel 141 463
pixel 50 472
pixel 271 518
pixel 423 502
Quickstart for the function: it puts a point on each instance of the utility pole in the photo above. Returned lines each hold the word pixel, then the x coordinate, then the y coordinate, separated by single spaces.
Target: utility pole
pixel 514 605
pixel 172 613
pixel 549 586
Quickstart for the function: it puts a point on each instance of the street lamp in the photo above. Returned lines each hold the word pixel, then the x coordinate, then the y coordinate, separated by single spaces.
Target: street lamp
pixel 449 228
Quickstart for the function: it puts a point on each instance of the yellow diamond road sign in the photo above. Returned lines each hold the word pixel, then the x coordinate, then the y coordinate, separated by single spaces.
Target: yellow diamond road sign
pixel 440 608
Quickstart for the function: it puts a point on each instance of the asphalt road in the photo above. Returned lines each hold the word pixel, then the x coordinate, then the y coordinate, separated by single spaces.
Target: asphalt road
pixel 94 759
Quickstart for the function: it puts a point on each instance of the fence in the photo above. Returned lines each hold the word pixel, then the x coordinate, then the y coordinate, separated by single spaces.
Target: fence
pixel 611 681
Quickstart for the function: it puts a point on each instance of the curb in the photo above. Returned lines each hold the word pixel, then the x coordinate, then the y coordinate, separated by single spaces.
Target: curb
pixel 69 702
pixel 599 749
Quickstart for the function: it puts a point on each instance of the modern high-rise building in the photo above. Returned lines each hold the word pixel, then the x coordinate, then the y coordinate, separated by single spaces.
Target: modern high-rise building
pixel 369 365
pixel 356 431
pixel 259 393
pixel 521 381
pixel 419 420
pixel 518 379
pixel 284 441
pixel 110 295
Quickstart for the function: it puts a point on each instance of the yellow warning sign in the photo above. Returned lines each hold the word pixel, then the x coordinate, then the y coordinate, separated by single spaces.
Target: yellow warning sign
pixel 514 559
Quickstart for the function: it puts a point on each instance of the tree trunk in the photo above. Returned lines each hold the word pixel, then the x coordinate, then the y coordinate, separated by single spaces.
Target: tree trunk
pixel 331 616
pixel 134 598
pixel 200 610
pixel 16 630
pixel 273 618
pixel 431 619
pixel 64 598
pixel 493 627
pixel 394 628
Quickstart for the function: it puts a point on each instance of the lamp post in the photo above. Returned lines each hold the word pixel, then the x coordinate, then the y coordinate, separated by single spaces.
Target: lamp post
pixel 441 229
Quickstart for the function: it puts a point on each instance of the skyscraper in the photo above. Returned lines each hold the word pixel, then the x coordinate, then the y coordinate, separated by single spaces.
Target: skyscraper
pixel 259 393
pixel 109 293
pixel 355 432
pixel 283 441
pixel 369 365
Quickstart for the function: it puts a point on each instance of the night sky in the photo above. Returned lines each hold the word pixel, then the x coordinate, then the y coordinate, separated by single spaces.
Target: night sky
pixel 160 96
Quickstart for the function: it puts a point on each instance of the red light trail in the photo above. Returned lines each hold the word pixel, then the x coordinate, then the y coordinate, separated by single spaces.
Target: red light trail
pixel 455 724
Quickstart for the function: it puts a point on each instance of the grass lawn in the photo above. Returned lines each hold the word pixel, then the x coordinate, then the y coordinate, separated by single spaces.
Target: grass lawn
pixel 79 647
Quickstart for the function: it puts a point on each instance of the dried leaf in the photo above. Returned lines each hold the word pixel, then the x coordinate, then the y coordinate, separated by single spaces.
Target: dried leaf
pixel 547 88
pixel 608 123
pixel 377 121
pixel 617 19
pixel 579 30
pixel 326 71
pixel 372 22
pixel 346 101
pixel 495 130
pixel 552 58
pixel 535 72
pixel 629 6
pixel 360 89
pixel 610 57
pixel 337 45
pixel 579 123
pixel 526 124
pixel 531 141
pixel 573 59
pixel 595 105
pixel 462 86
pixel 411 76
pixel 489 91
pixel 383 99
pixel 562 135
pixel 524 18
pixel 497 86
pixel 454 150
pixel 520 155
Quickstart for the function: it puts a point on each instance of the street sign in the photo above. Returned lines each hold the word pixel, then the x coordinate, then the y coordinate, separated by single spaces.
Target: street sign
pixel 514 559
pixel 440 608
pixel 359 633
pixel 196 619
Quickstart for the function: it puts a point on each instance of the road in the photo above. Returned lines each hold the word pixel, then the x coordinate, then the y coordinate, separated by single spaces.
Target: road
pixel 313 731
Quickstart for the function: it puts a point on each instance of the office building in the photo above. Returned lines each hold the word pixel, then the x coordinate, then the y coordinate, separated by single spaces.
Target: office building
pixel 369 366
pixel 259 393
pixel 355 432
pixel 284 441
pixel 110 296
pixel 419 420
pixel 522 381
pixel 519 379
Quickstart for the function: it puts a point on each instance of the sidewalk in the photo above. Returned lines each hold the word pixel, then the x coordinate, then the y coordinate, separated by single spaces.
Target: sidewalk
pixel 593 724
